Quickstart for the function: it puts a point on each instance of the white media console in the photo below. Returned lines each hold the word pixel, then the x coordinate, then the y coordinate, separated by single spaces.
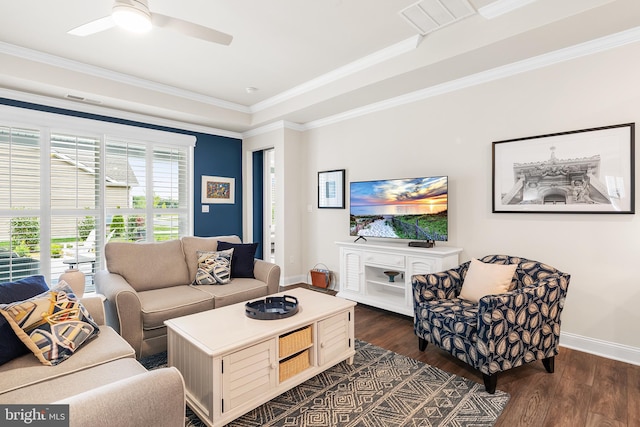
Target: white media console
pixel 363 266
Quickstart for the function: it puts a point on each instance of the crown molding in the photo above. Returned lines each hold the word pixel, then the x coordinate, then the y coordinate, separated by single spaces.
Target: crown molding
pixel 340 73
pixel 114 113
pixel 68 64
pixel 555 57
pixel 500 7
pixel 332 76
pixel 282 124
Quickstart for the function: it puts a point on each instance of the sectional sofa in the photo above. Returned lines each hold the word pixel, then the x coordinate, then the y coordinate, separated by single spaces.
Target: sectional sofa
pixel 102 383
pixel 148 283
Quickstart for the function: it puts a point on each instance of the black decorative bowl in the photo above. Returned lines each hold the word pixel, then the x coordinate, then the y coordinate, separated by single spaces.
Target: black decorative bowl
pixel 272 308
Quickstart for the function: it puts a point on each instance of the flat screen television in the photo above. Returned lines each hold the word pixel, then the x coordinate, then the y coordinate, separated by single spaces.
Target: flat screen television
pixel 412 208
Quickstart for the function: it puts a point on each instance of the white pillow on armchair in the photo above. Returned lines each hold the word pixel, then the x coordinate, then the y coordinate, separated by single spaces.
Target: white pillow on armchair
pixel 486 279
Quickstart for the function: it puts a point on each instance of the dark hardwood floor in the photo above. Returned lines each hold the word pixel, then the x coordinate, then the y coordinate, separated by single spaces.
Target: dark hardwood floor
pixel 585 390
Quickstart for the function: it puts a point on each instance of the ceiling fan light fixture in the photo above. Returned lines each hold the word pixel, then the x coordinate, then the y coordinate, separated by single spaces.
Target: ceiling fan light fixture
pixel 132 16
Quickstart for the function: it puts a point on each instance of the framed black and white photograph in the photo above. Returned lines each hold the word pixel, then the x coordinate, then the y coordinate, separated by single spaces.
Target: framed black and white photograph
pixel 331 189
pixel 218 189
pixel 582 171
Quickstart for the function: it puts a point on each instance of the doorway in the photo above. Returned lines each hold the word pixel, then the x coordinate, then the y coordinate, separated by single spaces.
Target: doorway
pixel 269 205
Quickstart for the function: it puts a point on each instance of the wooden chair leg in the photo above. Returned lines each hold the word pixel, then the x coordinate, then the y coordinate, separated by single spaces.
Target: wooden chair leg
pixel 490 382
pixel 549 364
pixel 422 344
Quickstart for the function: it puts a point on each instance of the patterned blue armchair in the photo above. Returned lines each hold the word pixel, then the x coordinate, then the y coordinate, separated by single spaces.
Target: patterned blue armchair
pixel 499 332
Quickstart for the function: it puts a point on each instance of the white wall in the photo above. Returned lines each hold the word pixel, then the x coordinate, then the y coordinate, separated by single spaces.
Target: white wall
pixel 451 135
pixel 289 154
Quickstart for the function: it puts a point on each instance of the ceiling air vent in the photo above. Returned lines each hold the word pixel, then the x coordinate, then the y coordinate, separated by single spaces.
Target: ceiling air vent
pixel 82 99
pixel 427 16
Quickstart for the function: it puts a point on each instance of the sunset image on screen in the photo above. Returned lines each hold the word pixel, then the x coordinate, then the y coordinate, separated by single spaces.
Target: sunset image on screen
pixel 413 208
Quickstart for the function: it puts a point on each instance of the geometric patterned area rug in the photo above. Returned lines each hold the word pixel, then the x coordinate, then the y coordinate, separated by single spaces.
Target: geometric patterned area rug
pixel 381 388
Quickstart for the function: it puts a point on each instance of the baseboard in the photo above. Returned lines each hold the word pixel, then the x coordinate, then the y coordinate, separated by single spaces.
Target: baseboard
pixel 610 350
pixel 292 280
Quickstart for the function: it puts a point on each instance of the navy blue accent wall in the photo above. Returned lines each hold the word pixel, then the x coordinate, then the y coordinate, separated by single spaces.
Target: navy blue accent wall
pixel 258 201
pixel 213 155
pixel 218 156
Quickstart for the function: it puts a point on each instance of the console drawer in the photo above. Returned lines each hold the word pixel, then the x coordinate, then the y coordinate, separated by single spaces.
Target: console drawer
pixel 384 259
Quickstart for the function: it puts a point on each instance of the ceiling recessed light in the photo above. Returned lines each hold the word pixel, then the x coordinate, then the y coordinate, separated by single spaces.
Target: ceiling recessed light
pixel 251 89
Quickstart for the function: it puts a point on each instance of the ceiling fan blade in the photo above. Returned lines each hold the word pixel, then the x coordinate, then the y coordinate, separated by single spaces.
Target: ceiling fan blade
pixel 93 27
pixel 190 29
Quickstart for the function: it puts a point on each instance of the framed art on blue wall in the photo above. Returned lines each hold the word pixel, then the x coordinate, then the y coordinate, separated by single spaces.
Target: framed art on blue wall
pixel 331 189
pixel 581 171
pixel 218 189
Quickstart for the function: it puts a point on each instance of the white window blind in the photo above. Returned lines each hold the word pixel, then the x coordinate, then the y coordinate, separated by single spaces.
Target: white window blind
pixel 156 206
pixel 19 203
pixel 82 187
pixel 75 214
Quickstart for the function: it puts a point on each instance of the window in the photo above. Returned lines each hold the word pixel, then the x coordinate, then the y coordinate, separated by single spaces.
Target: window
pixel 19 202
pixel 147 191
pixel 78 189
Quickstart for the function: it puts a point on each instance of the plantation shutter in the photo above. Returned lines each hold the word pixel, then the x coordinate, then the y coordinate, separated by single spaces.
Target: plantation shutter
pixel 126 192
pixel 76 217
pixel 170 188
pixel 19 203
pixel 156 206
pixel 69 185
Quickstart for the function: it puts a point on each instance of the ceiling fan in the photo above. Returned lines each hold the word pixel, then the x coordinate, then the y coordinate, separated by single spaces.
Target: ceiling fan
pixel 134 15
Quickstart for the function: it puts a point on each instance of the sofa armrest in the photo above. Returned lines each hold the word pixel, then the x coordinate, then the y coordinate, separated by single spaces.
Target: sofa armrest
pixel 155 398
pixel 531 312
pixel 441 285
pixel 95 307
pixel 269 273
pixel 122 307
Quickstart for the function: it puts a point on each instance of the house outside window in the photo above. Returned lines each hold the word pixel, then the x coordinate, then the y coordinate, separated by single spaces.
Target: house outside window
pixel 78 189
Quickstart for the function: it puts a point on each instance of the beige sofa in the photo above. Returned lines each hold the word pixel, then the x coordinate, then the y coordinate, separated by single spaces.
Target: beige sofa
pixel 102 383
pixel 148 283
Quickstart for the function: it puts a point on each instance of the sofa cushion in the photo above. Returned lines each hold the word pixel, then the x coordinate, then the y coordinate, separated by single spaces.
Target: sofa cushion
pixel 10 345
pixel 53 389
pixel 26 370
pixel 53 324
pixel 214 267
pixel 243 258
pixel 148 266
pixel 163 304
pixel 192 244
pixel 239 290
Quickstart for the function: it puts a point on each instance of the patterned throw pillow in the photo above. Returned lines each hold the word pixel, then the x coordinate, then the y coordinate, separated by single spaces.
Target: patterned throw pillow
pixel 10 345
pixel 214 267
pixel 53 324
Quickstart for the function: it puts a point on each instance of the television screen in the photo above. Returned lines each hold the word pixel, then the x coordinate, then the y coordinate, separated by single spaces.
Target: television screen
pixel 414 208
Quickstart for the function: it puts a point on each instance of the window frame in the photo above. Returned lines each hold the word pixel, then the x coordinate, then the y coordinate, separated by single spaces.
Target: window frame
pixel 48 123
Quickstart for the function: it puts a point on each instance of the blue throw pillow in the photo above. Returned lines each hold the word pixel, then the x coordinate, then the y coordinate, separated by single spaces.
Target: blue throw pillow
pixel 10 345
pixel 243 258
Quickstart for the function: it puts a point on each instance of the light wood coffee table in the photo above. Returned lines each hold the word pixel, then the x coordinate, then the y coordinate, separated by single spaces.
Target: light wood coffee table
pixel 232 364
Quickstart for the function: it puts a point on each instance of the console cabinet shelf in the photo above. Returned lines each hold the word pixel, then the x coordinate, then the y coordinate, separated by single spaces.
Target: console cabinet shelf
pixel 363 266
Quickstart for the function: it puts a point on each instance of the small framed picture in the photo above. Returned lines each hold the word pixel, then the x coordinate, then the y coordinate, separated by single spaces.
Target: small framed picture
pixel 581 171
pixel 331 189
pixel 218 189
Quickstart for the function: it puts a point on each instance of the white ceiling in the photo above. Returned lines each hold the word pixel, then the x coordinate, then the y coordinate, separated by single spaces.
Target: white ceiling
pixel 309 59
